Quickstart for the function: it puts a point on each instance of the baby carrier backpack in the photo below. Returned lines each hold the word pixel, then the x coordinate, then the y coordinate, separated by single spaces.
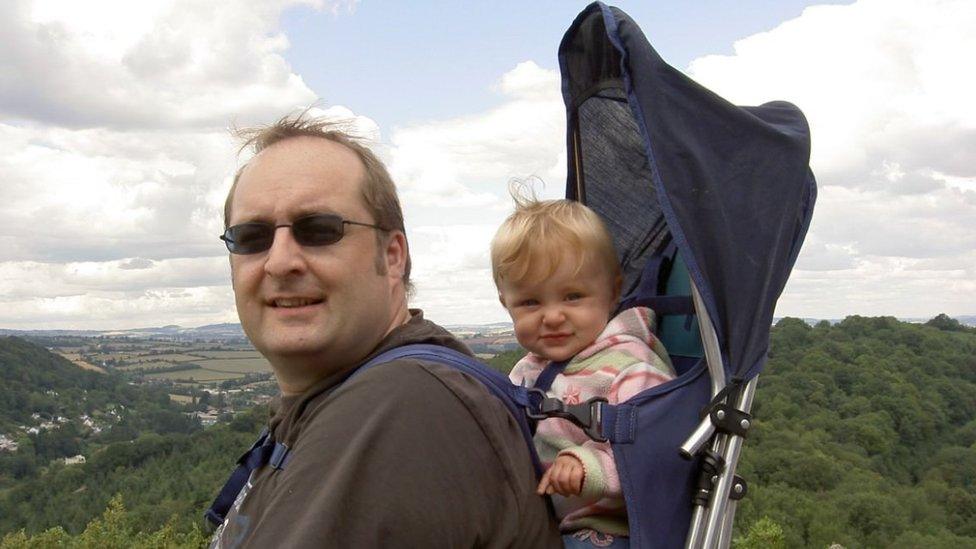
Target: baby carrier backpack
pixel 708 204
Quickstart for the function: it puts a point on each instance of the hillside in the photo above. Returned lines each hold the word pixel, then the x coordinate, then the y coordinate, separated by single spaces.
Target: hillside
pixel 51 409
pixel 865 436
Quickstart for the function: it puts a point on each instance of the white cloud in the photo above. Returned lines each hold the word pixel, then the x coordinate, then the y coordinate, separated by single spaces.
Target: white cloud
pixel 162 63
pixel 70 195
pixel 878 80
pixel 464 162
pixel 883 86
pixel 117 157
pixel 114 294
pixel 452 273
pixel 453 177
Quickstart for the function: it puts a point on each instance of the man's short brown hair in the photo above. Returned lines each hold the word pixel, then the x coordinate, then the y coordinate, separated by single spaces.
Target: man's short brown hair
pixel 377 188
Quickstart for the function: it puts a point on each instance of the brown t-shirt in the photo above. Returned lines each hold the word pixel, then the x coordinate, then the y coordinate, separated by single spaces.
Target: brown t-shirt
pixel 406 454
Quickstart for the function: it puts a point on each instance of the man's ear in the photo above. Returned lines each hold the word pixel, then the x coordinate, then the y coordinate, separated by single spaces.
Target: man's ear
pixel 395 255
pixel 617 285
pixel 501 298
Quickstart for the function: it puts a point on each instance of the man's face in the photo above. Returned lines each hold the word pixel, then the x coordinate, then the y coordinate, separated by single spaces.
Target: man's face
pixel 311 311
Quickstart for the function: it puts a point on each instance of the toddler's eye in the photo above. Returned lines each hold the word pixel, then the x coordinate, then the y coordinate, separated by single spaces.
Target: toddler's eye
pixel 528 303
pixel 575 296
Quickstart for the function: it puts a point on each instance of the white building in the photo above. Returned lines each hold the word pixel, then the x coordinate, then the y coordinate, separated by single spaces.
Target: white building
pixel 7 444
pixel 74 460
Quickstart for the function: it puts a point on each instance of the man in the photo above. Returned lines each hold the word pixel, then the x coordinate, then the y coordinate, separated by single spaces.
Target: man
pixel 406 454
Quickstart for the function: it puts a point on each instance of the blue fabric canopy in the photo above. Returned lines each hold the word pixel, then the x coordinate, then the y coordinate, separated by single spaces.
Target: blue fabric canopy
pixel 663 159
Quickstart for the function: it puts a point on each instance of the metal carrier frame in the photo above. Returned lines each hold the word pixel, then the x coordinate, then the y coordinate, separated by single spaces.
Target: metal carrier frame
pixel 726 425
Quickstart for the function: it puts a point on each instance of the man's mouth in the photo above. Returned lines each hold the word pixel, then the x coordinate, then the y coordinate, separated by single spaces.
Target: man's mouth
pixel 294 302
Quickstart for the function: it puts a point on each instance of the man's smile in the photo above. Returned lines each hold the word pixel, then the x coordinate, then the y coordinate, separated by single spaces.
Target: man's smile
pixel 293 302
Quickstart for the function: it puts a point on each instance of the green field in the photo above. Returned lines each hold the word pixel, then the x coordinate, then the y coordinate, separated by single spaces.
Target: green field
pixel 229 354
pixel 236 365
pixel 216 369
pixel 135 367
pixel 198 376
pixel 169 357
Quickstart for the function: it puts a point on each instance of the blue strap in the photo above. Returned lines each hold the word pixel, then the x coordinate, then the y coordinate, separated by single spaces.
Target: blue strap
pixel 263 451
pixel 515 398
pixel 620 423
pixel 663 305
pixel 548 375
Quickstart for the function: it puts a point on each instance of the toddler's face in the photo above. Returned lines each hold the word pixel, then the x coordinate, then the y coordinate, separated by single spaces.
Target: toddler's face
pixel 557 317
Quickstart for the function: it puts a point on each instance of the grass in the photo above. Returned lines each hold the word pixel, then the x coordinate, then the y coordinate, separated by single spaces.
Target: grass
pixel 230 354
pixel 236 365
pixel 171 357
pixel 217 369
pixel 199 376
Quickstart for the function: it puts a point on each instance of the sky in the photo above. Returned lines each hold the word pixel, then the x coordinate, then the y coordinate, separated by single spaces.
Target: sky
pixel 116 155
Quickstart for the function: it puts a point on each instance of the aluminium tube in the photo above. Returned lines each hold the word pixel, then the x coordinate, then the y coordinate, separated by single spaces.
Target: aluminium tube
pixel 725 538
pixel 705 430
pixel 720 492
pixel 716 371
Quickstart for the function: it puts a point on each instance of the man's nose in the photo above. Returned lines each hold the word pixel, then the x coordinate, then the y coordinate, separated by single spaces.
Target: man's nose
pixel 285 255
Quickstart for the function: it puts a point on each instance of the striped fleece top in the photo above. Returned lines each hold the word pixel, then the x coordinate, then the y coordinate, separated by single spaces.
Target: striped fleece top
pixel 625 359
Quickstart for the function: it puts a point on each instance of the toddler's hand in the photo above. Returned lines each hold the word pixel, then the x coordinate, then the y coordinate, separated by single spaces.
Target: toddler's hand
pixel 565 477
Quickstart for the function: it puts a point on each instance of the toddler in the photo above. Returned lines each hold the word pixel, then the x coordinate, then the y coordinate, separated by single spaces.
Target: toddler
pixel 557 275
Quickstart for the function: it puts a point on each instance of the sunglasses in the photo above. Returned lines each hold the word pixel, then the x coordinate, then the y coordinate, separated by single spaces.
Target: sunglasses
pixel 312 230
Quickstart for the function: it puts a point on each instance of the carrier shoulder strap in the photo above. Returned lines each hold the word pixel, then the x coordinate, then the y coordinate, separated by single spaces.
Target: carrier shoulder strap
pixel 515 398
pixel 266 451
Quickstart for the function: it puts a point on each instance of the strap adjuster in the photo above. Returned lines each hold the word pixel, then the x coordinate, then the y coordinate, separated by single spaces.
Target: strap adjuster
pixel 278 456
pixel 588 415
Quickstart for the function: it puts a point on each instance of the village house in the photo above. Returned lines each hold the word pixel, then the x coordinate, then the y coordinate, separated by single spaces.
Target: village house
pixel 74 460
pixel 7 444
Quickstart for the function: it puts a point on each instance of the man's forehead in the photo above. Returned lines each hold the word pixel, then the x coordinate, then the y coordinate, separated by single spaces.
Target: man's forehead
pixel 299 174
pixel 306 154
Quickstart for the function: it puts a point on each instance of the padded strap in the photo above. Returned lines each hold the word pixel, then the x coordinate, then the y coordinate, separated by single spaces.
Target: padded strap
pixel 620 423
pixel 264 450
pixel 548 375
pixel 516 399
pixel 496 382
pixel 663 305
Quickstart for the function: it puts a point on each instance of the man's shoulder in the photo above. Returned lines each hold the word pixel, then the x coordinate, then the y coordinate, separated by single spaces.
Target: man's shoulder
pixel 429 404
pixel 418 381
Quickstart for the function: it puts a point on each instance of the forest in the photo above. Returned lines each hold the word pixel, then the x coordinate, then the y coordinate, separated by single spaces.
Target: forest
pixel 865 436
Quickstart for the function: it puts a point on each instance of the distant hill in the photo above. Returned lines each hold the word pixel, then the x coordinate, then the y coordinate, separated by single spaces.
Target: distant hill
pixel 227 331
pixel 232 331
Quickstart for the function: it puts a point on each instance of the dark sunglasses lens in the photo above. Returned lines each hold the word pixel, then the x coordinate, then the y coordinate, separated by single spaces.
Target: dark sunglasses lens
pixel 249 238
pixel 318 230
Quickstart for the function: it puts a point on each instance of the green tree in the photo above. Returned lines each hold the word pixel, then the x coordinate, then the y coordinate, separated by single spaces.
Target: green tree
pixel 763 534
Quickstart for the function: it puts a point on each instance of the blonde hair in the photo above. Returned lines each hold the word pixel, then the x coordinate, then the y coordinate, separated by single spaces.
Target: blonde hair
pixel 532 241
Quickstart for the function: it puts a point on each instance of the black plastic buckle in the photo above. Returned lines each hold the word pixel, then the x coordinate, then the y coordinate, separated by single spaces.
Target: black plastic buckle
pixel 588 416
